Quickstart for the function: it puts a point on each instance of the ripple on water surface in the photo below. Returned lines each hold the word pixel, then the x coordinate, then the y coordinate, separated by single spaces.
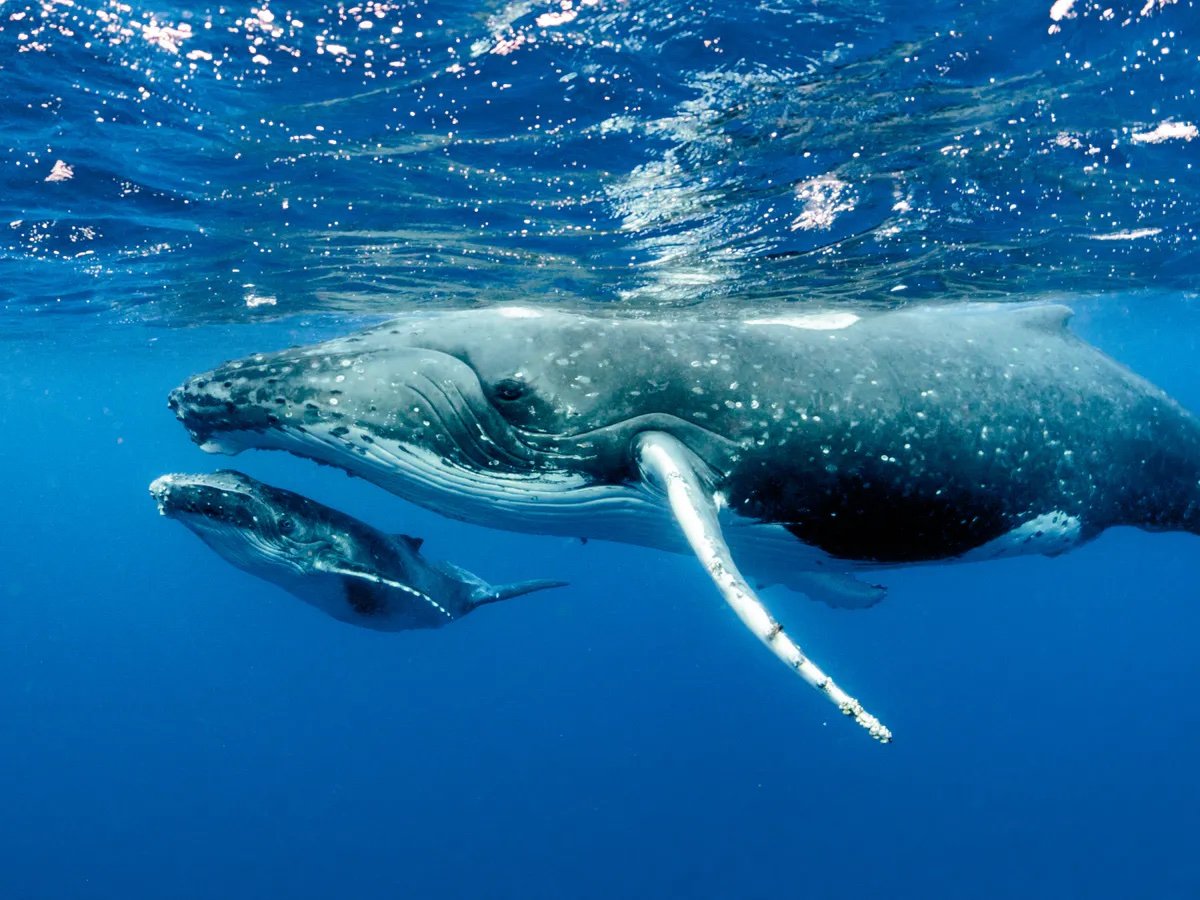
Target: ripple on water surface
pixel 180 164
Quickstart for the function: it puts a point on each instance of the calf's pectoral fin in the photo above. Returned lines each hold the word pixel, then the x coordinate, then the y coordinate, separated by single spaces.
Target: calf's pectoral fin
pixel 666 463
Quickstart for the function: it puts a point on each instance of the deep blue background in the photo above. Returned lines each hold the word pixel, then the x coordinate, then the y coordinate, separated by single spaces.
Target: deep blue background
pixel 170 727
pixel 173 727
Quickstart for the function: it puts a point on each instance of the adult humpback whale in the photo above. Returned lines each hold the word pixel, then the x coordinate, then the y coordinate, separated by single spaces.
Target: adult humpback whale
pixel 338 564
pixel 798 444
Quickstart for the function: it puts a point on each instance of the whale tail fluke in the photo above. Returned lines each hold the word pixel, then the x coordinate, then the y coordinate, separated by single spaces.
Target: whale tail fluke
pixel 482 592
pixel 490 593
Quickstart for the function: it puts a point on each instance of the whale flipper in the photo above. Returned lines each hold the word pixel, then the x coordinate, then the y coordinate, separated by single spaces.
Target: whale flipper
pixel 841 591
pixel 667 464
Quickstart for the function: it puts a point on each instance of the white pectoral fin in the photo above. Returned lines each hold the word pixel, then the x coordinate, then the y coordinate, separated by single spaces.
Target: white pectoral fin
pixel 664 461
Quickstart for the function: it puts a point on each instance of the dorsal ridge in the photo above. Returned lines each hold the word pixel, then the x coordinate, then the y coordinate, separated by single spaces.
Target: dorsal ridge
pixel 1046 316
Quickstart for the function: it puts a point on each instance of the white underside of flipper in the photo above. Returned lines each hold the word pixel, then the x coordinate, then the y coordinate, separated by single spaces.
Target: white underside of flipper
pixel 672 468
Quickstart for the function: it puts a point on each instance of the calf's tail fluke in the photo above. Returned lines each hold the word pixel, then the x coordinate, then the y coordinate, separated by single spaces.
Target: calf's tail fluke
pixel 493 592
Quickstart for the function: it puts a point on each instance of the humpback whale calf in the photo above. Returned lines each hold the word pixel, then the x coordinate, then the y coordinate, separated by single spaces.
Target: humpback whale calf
pixel 340 565
pixel 795 446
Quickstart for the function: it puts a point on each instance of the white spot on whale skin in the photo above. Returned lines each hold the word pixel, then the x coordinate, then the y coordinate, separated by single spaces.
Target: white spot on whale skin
pixel 519 312
pixel 831 321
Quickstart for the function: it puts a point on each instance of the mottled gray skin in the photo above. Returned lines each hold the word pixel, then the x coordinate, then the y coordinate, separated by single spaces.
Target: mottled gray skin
pixel 907 436
pixel 337 563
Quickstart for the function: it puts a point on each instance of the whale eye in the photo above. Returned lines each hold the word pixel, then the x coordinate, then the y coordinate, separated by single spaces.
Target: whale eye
pixel 286 526
pixel 509 389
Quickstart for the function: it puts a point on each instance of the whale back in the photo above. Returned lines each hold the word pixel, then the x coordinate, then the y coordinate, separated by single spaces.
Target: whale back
pixel 926 435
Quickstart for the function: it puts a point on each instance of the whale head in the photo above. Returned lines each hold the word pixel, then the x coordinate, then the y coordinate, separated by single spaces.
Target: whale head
pixel 498 412
pixel 249 523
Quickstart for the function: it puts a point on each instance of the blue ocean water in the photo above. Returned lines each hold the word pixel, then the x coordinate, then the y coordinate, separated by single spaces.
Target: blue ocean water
pixel 182 185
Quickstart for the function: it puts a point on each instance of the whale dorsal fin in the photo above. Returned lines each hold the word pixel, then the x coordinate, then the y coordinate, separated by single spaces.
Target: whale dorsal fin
pixel 412 543
pixel 1048 317
pixel 1045 316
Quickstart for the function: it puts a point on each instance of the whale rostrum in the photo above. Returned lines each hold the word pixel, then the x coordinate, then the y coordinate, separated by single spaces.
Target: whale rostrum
pixel 803 449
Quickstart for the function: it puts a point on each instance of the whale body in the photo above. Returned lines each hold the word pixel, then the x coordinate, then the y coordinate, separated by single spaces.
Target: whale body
pixel 341 565
pixel 799 447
